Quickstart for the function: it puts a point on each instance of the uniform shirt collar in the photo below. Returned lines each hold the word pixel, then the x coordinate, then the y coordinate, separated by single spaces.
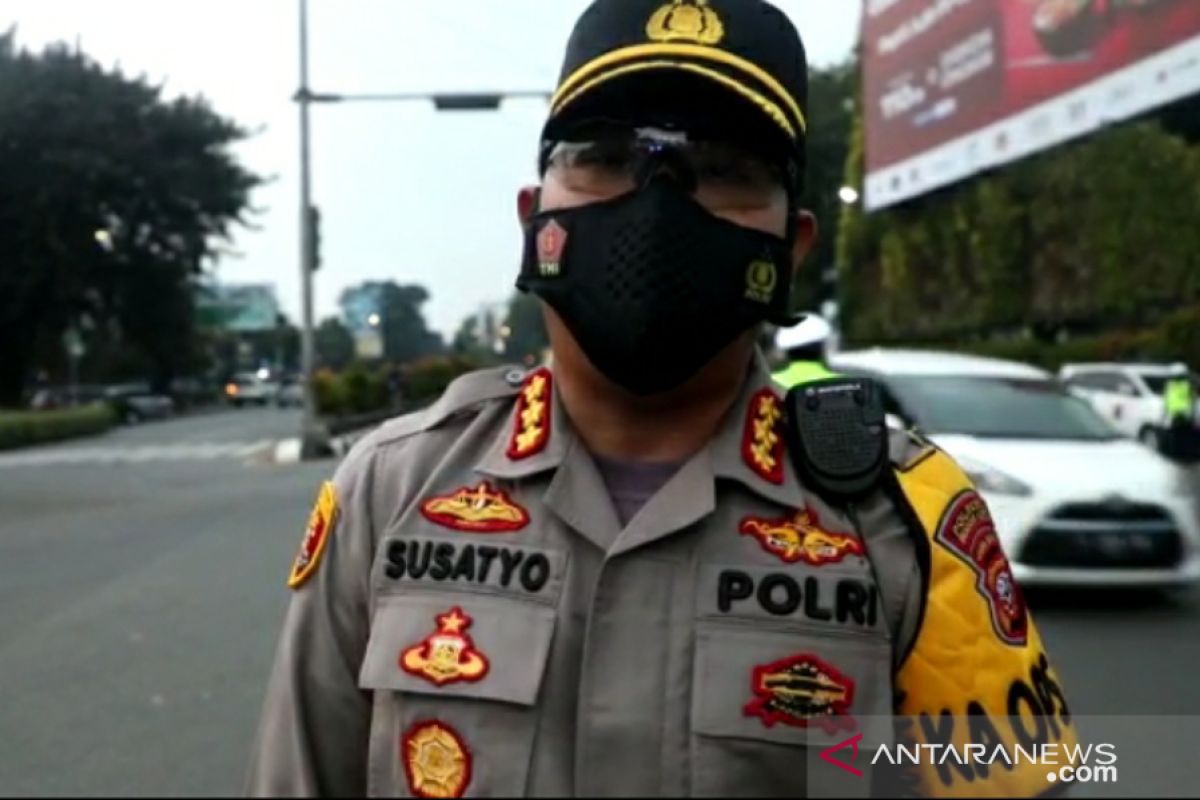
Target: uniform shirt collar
pixel 748 447
pixel 529 443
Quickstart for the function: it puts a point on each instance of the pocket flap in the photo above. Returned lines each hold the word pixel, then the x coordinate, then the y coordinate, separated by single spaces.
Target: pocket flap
pixel 459 645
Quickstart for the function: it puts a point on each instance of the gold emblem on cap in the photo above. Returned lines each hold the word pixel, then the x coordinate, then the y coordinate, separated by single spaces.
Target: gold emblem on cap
pixel 761 278
pixel 686 21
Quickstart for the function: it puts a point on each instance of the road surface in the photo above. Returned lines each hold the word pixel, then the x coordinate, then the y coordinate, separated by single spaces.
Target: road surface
pixel 142 587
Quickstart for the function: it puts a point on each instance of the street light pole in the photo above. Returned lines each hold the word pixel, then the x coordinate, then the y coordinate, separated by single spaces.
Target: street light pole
pixel 312 437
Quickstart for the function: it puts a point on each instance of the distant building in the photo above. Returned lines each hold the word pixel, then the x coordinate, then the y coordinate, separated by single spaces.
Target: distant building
pixel 489 325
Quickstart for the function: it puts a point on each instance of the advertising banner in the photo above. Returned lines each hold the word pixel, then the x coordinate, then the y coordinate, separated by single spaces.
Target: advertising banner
pixel 955 87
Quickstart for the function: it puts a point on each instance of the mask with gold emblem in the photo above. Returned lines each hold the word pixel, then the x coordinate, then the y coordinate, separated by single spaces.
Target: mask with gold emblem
pixel 651 284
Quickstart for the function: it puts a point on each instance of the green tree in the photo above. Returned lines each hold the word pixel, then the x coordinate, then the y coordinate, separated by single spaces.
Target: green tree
pixel 114 202
pixel 831 100
pixel 466 338
pixel 1092 237
pixel 527 336
pixel 334 344
pixel 406 336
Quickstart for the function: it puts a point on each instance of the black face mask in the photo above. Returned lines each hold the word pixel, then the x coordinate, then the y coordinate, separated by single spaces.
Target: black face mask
pixel 652 285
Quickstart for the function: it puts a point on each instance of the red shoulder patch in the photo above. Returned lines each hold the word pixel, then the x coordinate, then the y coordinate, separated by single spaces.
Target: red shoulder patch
pixel 320 524
pixel 966 530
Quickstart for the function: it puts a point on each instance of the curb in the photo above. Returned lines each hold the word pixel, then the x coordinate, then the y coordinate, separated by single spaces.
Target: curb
pixel 290 451
pixel 287 451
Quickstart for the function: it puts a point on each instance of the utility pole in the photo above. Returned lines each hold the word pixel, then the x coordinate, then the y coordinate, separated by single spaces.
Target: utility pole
pixel 314 440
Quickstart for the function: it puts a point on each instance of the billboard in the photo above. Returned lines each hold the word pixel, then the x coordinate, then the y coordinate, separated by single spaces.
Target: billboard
pixel 953 87
pixel 241 308
pixel 359 304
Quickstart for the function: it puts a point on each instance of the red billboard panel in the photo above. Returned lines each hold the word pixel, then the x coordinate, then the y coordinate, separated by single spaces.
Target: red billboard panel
pixel 953 87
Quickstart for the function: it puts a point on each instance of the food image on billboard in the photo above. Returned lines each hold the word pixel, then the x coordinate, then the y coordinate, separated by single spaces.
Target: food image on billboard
pixel 953 87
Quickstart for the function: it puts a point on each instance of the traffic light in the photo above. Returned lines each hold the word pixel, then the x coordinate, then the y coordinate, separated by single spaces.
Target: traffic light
pixel 314 232
pixel 467 102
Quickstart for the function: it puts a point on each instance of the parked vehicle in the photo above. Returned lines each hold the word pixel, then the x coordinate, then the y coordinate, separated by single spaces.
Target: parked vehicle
pixel 1074 501
pixel 135 402
pixel 1131 396
pixel 290 393
pixel 247 388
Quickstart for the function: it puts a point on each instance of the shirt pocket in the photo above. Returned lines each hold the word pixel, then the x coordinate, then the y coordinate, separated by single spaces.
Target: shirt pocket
pixel 767 700
pixel 456 678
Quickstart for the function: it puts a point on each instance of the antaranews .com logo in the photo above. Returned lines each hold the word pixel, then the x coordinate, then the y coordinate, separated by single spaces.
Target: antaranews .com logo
pixel 1075 763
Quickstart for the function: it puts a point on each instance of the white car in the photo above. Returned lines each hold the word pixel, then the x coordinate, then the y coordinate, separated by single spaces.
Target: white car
pixel 1074 501
pixel 248 388
pixel 1129 395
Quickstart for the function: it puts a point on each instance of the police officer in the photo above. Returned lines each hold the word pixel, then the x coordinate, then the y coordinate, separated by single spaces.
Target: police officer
pixel 1179 404
pixel 606 577
pixel 1178 397
pixel 805 347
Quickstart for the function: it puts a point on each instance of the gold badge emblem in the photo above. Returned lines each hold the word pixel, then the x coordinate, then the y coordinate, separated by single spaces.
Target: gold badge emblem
pixel 801 538
pixel 801 691
pixel 436 762
pixel 686 21
pixel 447 655
pixel 315 536
pixel 482 509
pixel 761 278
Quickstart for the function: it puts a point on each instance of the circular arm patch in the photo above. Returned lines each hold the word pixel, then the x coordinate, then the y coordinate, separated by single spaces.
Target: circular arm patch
pixel 320 524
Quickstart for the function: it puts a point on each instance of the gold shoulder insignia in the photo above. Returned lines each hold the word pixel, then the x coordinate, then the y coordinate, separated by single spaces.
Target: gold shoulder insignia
pixel 531 427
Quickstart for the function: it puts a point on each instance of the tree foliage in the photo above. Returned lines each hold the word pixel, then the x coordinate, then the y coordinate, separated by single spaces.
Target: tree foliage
pixel 1087 239
pixel 406 337
pixel 84 150
pixel 831 115
pixel 334 344
pixel 527 336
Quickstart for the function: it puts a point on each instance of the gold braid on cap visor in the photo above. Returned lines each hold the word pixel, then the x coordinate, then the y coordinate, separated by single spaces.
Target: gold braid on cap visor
pixel 578 84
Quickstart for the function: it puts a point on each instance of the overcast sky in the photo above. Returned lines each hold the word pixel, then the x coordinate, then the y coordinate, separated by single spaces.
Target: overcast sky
pixel 405 193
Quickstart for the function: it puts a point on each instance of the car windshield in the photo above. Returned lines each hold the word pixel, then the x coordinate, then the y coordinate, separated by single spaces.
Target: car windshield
pixel 1010 408
pixel 1156 383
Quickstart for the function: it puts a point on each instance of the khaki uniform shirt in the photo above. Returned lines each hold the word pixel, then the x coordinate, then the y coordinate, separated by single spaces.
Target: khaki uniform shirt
pixel 461 626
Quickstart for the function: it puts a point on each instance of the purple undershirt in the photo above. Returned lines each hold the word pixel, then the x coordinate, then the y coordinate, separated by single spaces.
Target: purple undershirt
pixel 631 484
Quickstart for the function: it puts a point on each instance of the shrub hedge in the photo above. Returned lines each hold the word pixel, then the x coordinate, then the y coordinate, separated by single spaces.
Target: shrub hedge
pixel 24 428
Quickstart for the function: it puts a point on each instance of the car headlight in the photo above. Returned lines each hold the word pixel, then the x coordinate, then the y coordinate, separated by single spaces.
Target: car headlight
pixel 990 479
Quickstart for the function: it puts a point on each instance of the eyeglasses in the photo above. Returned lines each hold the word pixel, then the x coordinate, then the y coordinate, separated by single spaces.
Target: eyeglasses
pixel 627 155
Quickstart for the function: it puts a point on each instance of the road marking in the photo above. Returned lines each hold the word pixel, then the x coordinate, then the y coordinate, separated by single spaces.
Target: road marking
pixel 141 454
